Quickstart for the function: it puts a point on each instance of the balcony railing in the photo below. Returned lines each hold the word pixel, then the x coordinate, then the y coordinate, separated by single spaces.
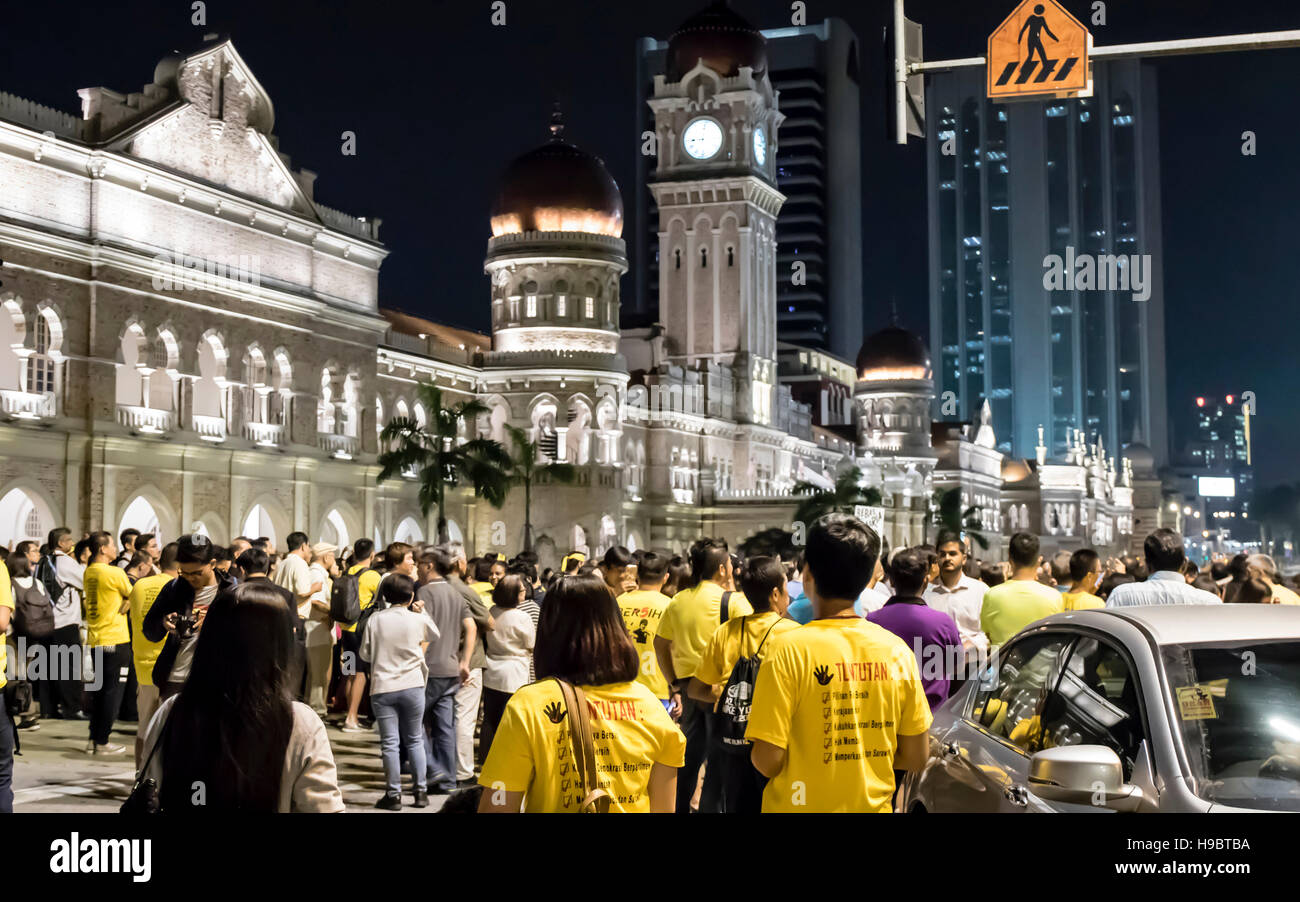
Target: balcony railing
pixel 267 435
pixel 210 429
pixel 22 405
pixel 345 447
pixel 144 420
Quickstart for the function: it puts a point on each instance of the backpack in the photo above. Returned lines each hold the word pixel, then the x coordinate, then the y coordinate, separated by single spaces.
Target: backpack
pixel 733 706
pixel 375 606
pixel 33 614
pixel 345 598
pixel 47 573
pixel 724 607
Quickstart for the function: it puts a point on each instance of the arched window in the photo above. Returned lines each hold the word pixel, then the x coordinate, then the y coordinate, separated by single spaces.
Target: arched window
pixel 351 413
pixel 282 386
pixel 257 387
pixel 131 387
pixel 704 258
pixel 326 414
pixel 209 388
pixel 40 364
pixel 731 256
pixel 677 258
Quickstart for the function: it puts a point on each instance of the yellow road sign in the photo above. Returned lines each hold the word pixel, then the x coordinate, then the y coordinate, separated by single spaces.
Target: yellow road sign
pixel 1040 50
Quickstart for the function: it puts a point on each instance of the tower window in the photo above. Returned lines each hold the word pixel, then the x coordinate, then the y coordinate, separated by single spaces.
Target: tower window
pixel 704 258
pixel 559 305
pixel 590 311
pixel 530 305
pixel 731 256
pixel 677 258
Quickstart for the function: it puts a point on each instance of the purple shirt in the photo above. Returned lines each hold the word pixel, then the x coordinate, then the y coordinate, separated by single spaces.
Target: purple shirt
pixel 931 634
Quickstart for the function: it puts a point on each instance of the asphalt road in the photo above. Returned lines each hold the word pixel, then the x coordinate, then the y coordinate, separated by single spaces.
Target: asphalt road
pixel 54 773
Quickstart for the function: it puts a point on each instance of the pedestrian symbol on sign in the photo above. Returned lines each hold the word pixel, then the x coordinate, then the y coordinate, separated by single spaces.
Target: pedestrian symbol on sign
pixel 1018 60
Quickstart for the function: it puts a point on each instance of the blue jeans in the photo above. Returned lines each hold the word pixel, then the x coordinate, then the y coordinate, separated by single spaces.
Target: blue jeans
pixel 440 731
pixel 6 761
pixel 400 715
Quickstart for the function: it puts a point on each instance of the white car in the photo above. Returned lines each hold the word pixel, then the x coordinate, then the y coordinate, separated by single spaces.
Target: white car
pixel 1163 708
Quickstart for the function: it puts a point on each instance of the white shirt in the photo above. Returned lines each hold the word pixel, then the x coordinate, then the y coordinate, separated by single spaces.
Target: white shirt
pixel 963 603
pixel 294 575
pixel 873 598
pixel 1161 587
pixel 67 610
pixel 319 626
pixel 509 649
pixel 391 643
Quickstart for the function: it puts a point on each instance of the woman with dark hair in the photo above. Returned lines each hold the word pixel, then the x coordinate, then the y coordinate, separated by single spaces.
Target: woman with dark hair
pixel 679 575
pixel 583 642
pixel 1110 581
pixel 233 738
pixel 509 653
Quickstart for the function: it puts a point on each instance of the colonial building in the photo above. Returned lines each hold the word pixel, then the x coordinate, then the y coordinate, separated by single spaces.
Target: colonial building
pixel 192 342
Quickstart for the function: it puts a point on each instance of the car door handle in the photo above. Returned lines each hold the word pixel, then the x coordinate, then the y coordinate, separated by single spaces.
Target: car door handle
pixel 1017 795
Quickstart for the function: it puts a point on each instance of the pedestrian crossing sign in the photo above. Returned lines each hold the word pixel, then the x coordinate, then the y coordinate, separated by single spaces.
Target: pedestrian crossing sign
pixel 1039 51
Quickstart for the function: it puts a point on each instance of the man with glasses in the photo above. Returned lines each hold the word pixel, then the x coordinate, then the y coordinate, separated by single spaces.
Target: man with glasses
pixel 177 613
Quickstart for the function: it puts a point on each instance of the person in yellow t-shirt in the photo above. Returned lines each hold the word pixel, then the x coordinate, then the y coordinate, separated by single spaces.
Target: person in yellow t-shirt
pixel 1085 575
pixel 354 684
pixel 6 725
pixel 582 640
pixel 684 631
pixel 481 570
pixel 1022 599
pixel 106 595
pixel 730 776
pixel 143 594
pixel 642 610
pixel 839 704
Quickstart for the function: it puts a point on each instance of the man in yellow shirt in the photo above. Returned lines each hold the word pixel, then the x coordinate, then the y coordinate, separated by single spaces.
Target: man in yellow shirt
pixel 729 774
pixel 839 704
pixel 6 725
pixel 686 627
pixel 143 594
pixel 642 612
pixel 1022 599
pixel 107 598
pixel 1085 575
pixel 353 668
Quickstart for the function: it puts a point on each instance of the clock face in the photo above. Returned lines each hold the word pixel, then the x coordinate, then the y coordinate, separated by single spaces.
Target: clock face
pixel 760 146
pixel 703 139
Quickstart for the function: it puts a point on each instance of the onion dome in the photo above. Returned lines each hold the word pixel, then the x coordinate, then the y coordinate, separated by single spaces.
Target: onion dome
pixel 720 37
pixel 893 353
pixel 558 188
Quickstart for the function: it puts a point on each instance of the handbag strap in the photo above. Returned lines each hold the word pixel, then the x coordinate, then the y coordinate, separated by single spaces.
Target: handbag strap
pixel 584 747
pixel 162 734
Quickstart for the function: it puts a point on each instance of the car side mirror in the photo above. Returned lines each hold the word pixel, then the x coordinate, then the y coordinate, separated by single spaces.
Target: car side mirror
pixel 1083 775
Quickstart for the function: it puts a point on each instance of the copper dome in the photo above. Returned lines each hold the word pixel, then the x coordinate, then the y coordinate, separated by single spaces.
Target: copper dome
pixel 721 38
pixel 558 188
pixel 893 353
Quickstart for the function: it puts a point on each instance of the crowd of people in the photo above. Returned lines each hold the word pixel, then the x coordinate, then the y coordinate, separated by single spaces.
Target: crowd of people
pixel 638 682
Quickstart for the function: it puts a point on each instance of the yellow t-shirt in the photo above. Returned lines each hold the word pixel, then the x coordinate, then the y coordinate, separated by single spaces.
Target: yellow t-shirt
pixel 642 611
pixel 7 601
pixel 143 594
pixel 531 752
pixel 1014 604
pixel 691 620
pixel 1082 601
pixel 106 587
pixel 366 586
pixel 737 637
pixel 1283 595
pixel 484 591
pixel 836 694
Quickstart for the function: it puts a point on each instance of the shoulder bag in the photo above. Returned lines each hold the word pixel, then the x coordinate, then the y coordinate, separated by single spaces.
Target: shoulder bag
pixel 595 800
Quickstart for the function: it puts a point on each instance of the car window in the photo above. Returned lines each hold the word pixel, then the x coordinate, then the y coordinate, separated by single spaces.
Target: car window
pixel 1095 702
pixel 1011 693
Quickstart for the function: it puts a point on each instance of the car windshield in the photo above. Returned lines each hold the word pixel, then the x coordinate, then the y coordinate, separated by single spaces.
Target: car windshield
pixel 1238 705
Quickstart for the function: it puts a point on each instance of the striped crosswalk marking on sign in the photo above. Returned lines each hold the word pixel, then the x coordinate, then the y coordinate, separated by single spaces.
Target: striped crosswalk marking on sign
pixel 1027 70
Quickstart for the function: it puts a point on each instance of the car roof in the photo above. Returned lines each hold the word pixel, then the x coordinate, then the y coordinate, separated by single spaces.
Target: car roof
pixel 1184 624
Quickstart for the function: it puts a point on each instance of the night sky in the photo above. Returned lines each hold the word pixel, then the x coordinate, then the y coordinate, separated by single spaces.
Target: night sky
pixel 440 100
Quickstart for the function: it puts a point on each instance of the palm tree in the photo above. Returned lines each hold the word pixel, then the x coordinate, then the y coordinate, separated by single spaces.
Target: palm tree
pixel 948 515
pixel 439 462
pixel 525 467
pixel 843 498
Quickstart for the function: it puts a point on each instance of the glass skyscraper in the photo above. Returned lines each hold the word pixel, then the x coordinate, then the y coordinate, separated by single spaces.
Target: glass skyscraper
pixel 1010 185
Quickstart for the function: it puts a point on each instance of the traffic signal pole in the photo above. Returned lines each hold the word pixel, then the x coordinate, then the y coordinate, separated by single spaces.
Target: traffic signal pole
pixel 1268 40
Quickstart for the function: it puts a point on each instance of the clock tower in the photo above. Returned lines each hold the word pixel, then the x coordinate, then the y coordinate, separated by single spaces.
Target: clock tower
pixel 716 121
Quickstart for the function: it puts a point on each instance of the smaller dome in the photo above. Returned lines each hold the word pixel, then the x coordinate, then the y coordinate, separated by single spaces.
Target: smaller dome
pixel 720 37
pixel 1015 470
pixel 558 188
pixel 893 353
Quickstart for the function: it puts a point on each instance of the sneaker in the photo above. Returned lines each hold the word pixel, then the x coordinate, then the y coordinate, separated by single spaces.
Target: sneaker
pixel 390 803
pixel 421 798
pixel 109 748
pixel 466 784
pixel 30 725
pixel 353 728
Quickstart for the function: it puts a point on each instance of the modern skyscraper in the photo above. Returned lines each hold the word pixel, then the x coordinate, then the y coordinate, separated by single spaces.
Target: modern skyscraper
pixel 1219 450
pixel 818 167
pixel 1031 207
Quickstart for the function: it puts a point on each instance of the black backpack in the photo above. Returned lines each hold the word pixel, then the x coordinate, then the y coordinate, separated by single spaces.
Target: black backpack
pixel 33 614
pixel 345 598
pixel 375 606
pixel 46 572
pixel 733 706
